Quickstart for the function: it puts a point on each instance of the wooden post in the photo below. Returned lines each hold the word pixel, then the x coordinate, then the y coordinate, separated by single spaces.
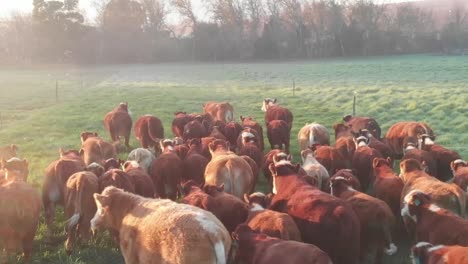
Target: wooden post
pixel 56 91
pixel 354 104
pixel 294 87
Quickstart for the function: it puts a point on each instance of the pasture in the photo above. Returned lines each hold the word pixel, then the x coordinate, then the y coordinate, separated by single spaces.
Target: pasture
pixel 433 89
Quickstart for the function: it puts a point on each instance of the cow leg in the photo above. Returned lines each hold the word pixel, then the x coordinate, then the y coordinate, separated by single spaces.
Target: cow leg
pixel 28 247
pixel 71 238
pixel 286 146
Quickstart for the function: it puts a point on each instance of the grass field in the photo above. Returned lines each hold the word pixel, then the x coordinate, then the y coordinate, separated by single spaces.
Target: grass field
pixel 424 88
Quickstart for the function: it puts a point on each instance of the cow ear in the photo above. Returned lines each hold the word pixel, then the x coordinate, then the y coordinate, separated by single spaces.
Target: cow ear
pixel 241 118
pixel 375 163
pixel 346 118
pixel 289 157
pixel 25 162
pixel 211 147
pixel 246 198
pixel 81 152
pixel 125 165
pixel 13 147
pixel 389 160
pixel 101 200
pixel 272 169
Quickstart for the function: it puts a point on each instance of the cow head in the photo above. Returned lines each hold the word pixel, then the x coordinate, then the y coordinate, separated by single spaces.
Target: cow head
pixel 380 162
pixel 86 134
pixel 189 186
pixel 282 166
pixel 71 154
pixel 218 145
pixel 113 164
pixel 425 140
pixel 454 165
pixel 361 141
pixel 104 202
pixel 306 154
pixel 130 164
pixel 96 168
pixel 410 143
pixel 339 184
pixel 248 136
pixel 267 103
pixel 342 130
pixel 409 165
pixel 350 176
pixel 413 202
pixel 180 114
pixel 257 201
pixel 8 152
pixel 167 145
pixel 213 190
pixel 347 118
pixel 122 107
pixel 419 252
pixel 15 169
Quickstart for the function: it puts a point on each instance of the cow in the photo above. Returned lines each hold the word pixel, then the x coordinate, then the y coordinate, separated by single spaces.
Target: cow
pixel 251 148
pixel 95 149
pixel 219 111
pixel 313 134
pixel 194 164
pixel 113 164
pixel 432 223
pixel 317 214
pixel 259 248
pixel 166 171
pixel 427 253
pixel 362 161
pixel 276 112
pixel 268 159
pixel 278 134
pixel 445 195
pixel 271 223
pixel 375 143
pixel 79 206
pixel 205 146
pixel 55 180
pixel 179 122
pixel 249 122
pixel 361 122
pixel 314 169
pixel 8 152
pixel 194 129
pixel 20 207
pixel 143 157
pixel 97 169
pixel 229 169
pixel 376 218
pixel 330 158
pixel 460 173
pixel 141 180
pixel 160 230
pixel 350 176
pixel 119 123
pixel 116 178
pixel 387 185
pixel 14 169
pixel 149 131
pixel 255 170
pixel 248 134
pixel 397 133
pixel 216 133
pixel 412 151
pixel 442 156
pixel 232 130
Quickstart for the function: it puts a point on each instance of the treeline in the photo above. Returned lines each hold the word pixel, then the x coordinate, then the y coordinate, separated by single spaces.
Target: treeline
pixel 129 31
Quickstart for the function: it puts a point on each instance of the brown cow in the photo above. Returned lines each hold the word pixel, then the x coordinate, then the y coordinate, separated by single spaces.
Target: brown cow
pixel 119 123
pixel 427 253
pixel 232 130
pixel 180 120
pixel 116 178
pixel 205 146
pixel 433 223
pixel 79 206
pixel 113 164
pixel 194 129
pixel 216 133
pixel 271 223
pixel 259 248
pixel 313 134
pixel 8 152
pixel 424 157
pixel 350 176
pixel 219 111
pixel 316 214
pixel 460 173
pixel 358 123
pixel 229 169
pixel 250 148
pixel 166 171
pixel 268 159
pixel 397 133
pixel 149 131
pixel 194 164
pixel 249 122
pixel 255 170
pixel 314 169
pixel 376 218
pixel 446 195
pixel 95 149
pixel 278 134
pixel 375 143
pixel 14 169
pixel 276 112
pixel 185 233
pixel 442 156
pixel 387 185
pixel 140 179
pixel 330 158
pixel 55 180
pixel 362 161
pixel 20 207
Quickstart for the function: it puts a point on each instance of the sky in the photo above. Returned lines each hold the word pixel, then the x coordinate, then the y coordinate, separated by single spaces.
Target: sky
pixel 9 6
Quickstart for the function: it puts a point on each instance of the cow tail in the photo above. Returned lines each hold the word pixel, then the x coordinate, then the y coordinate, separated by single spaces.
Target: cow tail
pixel 218 248
pixel 461 202
pixel 390 247
pixel 229 116
pixel 153 131
pixel 73 221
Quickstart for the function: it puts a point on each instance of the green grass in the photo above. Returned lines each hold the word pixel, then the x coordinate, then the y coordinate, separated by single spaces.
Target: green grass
pixel 391 89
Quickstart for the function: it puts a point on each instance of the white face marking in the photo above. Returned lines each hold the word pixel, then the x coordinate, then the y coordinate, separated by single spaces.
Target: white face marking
pixel 434 208
pixel 409 147
pixel 434 248
pixel 351 189
pixel 423 244
pixel 247 135
pixel 134 164
pixel 256 207
pixel 170 148
pixel 362 144
pixel 428 141
pixel 258 194
pixel 274 191
pixel 220 252
pixel 405 213
pixel 283 162
pixel 392 250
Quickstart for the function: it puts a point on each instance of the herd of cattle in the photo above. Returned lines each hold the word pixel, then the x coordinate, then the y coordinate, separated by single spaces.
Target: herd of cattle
pixel 340 205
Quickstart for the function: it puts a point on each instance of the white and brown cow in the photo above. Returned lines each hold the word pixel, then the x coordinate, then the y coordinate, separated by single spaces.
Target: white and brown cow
pixel 219 111
pixel 313 134
pixel 460 173
pixel 427 253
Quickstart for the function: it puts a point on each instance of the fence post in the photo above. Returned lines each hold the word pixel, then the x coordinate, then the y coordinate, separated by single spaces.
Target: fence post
pixel 56 91
pixel 294 87
pixel 354 104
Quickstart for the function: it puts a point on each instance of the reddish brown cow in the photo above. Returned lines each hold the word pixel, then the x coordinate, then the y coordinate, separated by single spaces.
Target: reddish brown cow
pixel 375 216
pixel 278 133
pixel 460 173
pixel 247 134
pixel 119 123
pixel 232 131
pixel 216 133
pixel 432 223
pixel 424 157
pixel 194 164
pixel 271 223
pixel 149 131
pixel 361 122
pixel 55 179
pixel 230 210
pixel 375 143
pixel 397 133
pixel 330 158
pixel 316 213
pixel 362 161
pixel 166 171
pixel 14 169
pixel 255 170
pixel 113 164
pixel 259 248
pixel 194 129
pixel 249 122
pixel 140 179
pixel 350 176
pixel 79 206
pixel 268 159
pixel 276 112
pixel 250 148
pixel 95 149
pixel 426 253
pixel 116 178
pixel 179 122
pixel 219 111
pixel 8 152
pixel 205 146
pixel 442 156
pixel 387 185
pixel 20 208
